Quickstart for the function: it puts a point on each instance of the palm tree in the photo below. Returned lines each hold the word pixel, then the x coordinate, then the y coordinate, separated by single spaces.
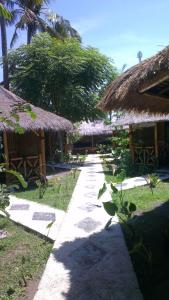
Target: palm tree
pixel 4 16
pixel 29 17
pixel 59 27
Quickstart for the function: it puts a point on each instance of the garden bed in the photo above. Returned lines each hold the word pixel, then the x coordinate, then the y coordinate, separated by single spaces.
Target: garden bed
pixel 23 256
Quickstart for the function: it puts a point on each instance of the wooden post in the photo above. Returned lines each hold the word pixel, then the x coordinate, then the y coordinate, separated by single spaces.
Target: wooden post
pixel 6 150
pixel 50 145
pixel 92 142
pixel 156 141
pixel 42 154
pixel 131 143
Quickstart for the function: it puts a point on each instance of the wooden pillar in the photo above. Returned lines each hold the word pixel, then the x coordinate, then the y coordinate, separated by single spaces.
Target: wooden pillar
pixel 50 145
pixel 131 143
pixel 92 142
pixel 42 153
pixel 156 141
pixel 6 150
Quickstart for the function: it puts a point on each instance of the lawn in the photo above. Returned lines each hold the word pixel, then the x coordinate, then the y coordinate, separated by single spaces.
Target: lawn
pixel 149 244
pixel 57 194
pixel 23 256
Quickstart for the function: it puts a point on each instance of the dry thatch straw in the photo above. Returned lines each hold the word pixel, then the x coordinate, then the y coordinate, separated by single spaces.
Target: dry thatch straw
pixel 44 119
pixel 132 91
pixel 95 128
pixel 141 118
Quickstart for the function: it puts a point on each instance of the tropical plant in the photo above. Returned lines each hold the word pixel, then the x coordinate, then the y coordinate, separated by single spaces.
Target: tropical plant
pixel 59 27
pixel 28 16
pixel 65 78
pixel 4 16
pixel 124 208
pixel 42 184
pixel 152 180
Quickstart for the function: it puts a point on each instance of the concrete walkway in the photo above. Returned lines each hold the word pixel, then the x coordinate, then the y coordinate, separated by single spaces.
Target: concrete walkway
pixel 36 216
pixel 89 262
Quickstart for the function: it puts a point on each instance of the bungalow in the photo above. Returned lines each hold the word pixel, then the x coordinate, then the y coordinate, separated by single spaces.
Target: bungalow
pixel 144 88
pixel 148 138
pixel 91 135
pixel 27 152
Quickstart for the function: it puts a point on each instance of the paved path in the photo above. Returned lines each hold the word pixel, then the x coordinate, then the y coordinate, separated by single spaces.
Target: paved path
pixel 89 262
pixel 36 216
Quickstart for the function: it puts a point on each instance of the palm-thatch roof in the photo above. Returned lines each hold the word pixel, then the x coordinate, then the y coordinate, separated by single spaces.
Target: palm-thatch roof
pixel 140 118
pixel 142 88
pixel 43 120
pixel 95 128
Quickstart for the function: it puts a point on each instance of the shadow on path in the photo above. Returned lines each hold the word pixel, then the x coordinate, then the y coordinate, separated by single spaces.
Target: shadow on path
pixel 98 268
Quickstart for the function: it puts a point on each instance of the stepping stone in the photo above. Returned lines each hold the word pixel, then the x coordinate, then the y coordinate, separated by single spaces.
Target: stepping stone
pixel 90 187
pixel 43 216
pixel 89 207
pixel 88 224
pixel 90 195
pixel 19 207
pixel 87 255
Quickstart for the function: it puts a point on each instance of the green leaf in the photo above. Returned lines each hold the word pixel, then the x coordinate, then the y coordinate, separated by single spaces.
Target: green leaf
pixel 114 189
pixel 132 207
pixel 4 12
pixel 108 224
pixel 50 224
pixel 110 208
pixel 18 176
pixel 102 191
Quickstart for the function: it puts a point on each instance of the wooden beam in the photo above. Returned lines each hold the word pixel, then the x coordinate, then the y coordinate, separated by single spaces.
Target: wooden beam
pixel 156 140
pixel 164 90
pixel 6 150
pixel 131 142
pixel 158 97
pixel 154 82
pixel 42 153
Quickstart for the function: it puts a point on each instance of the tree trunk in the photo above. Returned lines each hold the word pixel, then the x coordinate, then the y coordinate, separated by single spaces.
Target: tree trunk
pixel 4 53
pixel 29 35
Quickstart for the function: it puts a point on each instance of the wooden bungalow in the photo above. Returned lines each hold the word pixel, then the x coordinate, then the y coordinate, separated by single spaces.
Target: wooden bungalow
pixel 92 134
pixel 142 88
pixel 148 138
pixel 26 152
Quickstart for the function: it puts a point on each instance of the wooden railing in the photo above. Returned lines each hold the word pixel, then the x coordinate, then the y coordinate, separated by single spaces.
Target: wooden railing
pixel 144 155
pixel 27 166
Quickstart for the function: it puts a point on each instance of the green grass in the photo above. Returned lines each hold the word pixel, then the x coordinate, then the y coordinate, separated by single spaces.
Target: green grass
pixel 22 257
pixel 58 193
pixel 143 197
pixel 149 245
pixel 148 242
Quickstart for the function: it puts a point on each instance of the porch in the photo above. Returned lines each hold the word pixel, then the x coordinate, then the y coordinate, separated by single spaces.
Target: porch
pixel 24 153
pixel 149 144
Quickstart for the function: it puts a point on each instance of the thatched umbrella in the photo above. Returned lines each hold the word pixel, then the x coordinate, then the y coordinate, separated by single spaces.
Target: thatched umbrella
pixel 142 88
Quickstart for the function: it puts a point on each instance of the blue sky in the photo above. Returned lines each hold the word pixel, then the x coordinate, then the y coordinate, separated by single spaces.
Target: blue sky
pixel 118 28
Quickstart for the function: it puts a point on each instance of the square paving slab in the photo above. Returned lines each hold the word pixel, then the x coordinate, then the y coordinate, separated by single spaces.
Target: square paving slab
pixel 43 216
pixel 19 207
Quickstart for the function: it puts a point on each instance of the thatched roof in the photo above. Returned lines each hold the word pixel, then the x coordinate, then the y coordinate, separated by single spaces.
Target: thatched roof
pixel 44 119
pixel 95 128
pixel 142 88
pixel 141 118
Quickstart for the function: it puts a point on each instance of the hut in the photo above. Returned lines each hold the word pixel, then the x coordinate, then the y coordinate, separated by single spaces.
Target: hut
pixel 148 138
pixel 142 88
pixel 91 135
pixel 26 152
